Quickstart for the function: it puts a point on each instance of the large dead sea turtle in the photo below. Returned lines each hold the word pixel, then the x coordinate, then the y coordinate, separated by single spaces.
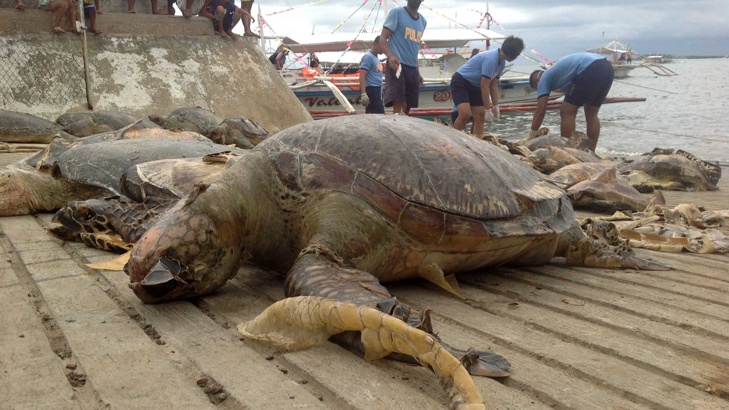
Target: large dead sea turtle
pixel 341 205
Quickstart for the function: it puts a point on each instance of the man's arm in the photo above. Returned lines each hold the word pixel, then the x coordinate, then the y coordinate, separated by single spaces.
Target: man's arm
pixel 391 57
pixel 538 115
pixel 486 94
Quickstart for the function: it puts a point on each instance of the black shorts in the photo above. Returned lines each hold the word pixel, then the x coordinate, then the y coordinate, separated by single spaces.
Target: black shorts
pixel 375 107
pixel 464 92
pixel 404 89
pixel 592 85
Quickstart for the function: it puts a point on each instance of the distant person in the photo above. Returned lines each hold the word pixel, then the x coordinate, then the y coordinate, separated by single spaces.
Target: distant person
pixel 630 57
pixel 90 7
pixel 278 58
pixel 585 79
pixel 400 40
pixel 475 86
pixel 370 80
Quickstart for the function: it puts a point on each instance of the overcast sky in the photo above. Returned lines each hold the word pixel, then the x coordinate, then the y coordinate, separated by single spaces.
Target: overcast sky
pixel 553 28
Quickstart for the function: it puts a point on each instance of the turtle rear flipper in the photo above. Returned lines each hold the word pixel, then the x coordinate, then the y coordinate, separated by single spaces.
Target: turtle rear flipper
pixel 300 322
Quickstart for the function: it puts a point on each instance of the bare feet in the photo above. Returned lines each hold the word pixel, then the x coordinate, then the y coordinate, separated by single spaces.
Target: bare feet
pixel 95 31
pixel 59 30
pixel 251 34
pixel 20 6
pixel 131 11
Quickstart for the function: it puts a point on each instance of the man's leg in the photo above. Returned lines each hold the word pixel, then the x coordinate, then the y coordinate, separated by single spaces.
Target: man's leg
pixel 593 125
pixel 479 115
pixel 568 113
pixel 247 6
pixel 464 111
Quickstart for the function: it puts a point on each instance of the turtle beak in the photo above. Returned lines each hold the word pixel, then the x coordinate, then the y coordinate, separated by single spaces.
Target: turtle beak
pixel 162 282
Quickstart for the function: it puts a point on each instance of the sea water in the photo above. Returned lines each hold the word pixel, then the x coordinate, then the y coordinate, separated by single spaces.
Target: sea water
pixel 688 111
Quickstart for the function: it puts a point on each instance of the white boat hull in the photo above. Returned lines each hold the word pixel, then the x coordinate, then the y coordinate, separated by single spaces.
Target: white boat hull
pixel 435 97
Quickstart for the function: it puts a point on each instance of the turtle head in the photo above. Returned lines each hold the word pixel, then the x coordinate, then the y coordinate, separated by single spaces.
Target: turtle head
pixel 79 217
pixel 184 254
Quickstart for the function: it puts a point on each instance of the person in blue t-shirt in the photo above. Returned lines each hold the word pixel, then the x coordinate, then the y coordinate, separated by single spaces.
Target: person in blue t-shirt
pixel 475 86
pixel 585 79
pixel 370 80
pixel 400 40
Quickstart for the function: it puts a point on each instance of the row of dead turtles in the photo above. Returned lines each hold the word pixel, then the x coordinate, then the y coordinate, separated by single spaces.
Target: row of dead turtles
pixel 18 127
pixel 338 206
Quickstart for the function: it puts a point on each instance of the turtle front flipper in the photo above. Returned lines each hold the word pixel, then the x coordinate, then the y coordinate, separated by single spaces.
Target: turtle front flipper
pixel 300 322
pixel 106 242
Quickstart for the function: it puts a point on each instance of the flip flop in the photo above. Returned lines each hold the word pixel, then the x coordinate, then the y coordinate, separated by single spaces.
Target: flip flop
pixel 252 35
pixel 58 30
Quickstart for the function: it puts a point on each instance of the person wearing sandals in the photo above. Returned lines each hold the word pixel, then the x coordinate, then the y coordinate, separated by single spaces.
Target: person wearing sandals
pixel 247 6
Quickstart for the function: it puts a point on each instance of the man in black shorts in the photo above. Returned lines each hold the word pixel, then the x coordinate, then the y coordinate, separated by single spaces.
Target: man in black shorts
pixel 585 79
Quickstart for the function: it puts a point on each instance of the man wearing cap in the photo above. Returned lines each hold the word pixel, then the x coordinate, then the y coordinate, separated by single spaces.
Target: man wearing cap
pixel 585 79
pixel 400 40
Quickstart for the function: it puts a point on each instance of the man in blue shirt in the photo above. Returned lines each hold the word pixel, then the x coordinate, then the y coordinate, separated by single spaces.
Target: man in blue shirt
pixel 400 40
pixel 370 80
pixel 475 86
pixel 585 79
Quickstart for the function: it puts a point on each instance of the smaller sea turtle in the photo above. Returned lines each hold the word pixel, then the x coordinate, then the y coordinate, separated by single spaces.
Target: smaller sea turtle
pixel 21 127
pixel 173 178
pixel 84 124
pixel 89 168
pixel 579 140
pixel 677 171
pixel 242 132
pixel 195 119
pixel 115 223
pixel 571 174
pixel 548 160
pixel 606 192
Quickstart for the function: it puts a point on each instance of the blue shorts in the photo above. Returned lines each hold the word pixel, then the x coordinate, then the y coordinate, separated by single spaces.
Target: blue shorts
pixel 89 10
pixel 464 92
pixel 592 85
pixel 404 89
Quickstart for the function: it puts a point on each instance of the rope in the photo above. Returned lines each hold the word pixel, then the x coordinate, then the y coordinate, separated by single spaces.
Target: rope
pixel 642 86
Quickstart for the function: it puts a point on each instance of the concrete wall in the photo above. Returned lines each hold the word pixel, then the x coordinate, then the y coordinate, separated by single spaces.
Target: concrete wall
pixel 140 64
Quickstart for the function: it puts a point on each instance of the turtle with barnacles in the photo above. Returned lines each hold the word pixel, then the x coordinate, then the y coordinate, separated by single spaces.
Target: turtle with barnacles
pixel 340 206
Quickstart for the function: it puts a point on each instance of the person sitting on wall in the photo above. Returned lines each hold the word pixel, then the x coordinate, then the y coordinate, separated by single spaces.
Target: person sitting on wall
pixel 60 7
pixel 225 17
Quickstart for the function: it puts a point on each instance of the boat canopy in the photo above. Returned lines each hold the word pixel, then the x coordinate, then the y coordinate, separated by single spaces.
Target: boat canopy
pixel 612 47
pixel 435 38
